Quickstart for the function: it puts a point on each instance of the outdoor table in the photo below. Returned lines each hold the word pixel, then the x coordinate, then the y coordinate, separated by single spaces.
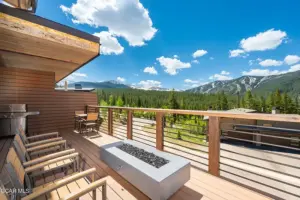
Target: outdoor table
pixel 80 116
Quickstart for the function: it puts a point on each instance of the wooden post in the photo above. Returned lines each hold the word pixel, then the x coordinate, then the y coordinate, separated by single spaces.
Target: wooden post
pixel 214 146
pixel 129 124
pixel 160 131
pixel 110 121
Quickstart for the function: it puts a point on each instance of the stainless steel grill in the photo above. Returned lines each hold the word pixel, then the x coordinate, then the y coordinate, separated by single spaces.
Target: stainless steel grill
pixel 13 116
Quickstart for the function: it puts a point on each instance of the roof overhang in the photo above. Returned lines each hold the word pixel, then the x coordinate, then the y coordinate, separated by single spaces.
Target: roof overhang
pixel 32 42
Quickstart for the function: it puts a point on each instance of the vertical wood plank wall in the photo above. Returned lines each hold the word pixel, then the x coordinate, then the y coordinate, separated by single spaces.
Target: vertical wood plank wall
pixel 36 89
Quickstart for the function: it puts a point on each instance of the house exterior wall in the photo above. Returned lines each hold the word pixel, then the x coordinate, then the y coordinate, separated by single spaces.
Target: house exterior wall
pixel 36 89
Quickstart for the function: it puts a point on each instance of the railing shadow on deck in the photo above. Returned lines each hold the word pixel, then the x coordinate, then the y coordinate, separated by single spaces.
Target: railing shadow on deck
pixel 246 158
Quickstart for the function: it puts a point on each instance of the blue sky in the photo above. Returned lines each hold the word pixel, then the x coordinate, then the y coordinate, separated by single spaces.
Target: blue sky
pixel 164 35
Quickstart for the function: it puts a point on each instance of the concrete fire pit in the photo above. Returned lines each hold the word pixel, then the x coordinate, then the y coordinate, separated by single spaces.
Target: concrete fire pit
pixel 158 176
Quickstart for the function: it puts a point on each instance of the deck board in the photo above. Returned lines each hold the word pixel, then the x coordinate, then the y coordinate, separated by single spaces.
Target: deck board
pixel 201 186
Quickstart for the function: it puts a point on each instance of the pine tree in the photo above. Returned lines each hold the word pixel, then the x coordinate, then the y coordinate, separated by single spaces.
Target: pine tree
pixel 238 100
pixel 262 104
pixel 270 102
pixel 123 98
pixel 173 104
pixel 139 102
pixel 120 102
pixel 297 108
pixel 278 100
pixel 224 102
pixel 285 103
pixel 111 100
pixel 249 101
pixel 218 104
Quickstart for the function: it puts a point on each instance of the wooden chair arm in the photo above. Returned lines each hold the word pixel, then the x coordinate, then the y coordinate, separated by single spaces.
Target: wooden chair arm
pixel 58 184
pixel 42 135
pixel 48 157
pixel 48 162
pixel 43 142
pixel 92 186
pixel 43 146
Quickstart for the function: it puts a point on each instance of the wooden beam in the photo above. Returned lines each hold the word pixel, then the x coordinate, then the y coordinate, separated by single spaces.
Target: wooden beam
pixel 129 124
pixel 214 146
pixel 160 131
pixel 110 121
pixel 11 24
pixel 255 116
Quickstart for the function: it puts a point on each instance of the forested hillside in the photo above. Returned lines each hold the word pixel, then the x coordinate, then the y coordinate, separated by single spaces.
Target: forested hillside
pixel 197 101
pixel 259 85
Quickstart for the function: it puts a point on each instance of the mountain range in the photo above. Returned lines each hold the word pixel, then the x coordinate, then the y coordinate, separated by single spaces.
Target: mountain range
pixel 261 85
pixel 289 82
pixel 103 84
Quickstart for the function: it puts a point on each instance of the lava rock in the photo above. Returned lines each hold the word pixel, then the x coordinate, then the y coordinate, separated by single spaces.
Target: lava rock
pixel 143 155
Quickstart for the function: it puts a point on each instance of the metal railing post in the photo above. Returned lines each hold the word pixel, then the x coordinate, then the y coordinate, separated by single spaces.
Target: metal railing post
pixel 214 132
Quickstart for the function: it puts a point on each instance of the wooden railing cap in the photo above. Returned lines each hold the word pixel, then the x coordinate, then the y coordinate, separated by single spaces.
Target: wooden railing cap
pixel 225 114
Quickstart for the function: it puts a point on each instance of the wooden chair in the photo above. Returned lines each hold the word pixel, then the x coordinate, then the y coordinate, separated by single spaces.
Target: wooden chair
pixel 38 139
pixel 31 152
pixel 78 183
pixel 78 120
pixel 47 162
pixel 91 121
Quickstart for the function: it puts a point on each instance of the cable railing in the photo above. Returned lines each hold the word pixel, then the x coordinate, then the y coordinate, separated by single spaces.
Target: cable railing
pixel 239 147
pixel 262 157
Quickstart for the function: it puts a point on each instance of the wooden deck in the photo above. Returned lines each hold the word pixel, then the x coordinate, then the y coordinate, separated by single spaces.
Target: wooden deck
pixel 201 185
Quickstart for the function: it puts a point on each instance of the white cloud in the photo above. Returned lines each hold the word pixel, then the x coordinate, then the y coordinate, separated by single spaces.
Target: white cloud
pixel 195 61
pixel 251 62
pixel 294 68
pixel 123 18
pixel 224 73
pixel 120 79
pixel 109 44
pixel 74 77
pixel 190 81
pixel 270 62
pixel 193 83
pixel 175 56
pixel 267 40
pixel 291 59
pixel 76 74
pixel 199 53
pixel 237 53
pixel 150 70
pixel 260 72
pixel 266 72
pixel 172 65
pixel 147 84
pixel 256 61
pixel 223 76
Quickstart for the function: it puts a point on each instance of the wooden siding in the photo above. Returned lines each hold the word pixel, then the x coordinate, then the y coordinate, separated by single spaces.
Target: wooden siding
pixel 36 89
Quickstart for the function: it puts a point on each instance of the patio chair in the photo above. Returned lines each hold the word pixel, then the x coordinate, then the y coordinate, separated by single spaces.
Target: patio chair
pixel 77 182
pixel 48 162
pixel 38 139
pixel 31 152
pixel 78 120
pixel 91 121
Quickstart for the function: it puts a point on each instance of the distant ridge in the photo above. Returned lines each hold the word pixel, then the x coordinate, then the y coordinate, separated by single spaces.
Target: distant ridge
pixel 289 82
pixel 104 84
